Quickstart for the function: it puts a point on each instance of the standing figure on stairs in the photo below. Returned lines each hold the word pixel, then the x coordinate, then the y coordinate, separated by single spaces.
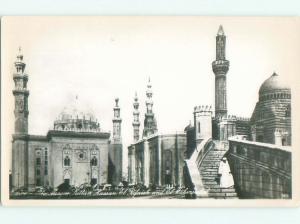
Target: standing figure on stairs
pixel 226 179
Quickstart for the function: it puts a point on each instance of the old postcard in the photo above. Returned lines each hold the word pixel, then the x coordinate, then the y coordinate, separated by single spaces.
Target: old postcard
pixel 150 111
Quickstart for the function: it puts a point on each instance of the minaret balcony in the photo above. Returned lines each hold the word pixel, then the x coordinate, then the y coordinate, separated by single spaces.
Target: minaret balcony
pixel 136 123
pixel 149 114
pixel 117 120
pixel 220 67
pixel 20 76
pixel 21 91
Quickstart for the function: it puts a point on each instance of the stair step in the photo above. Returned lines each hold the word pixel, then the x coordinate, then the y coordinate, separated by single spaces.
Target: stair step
pixel 217 163
pixel 207 173
pixel 208 179
pixel 210 165
pixel 222 190
pixel 208 169
pixel 209 183
pixel 216 186
pixel 209 176
pixel 222 194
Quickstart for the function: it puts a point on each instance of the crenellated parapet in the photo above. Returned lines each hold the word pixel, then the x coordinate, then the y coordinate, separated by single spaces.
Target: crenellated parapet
pixel 77 125
pixel 232 118
pixel 246 119
pixel 229 118
pixel 203 110
pixel 202 122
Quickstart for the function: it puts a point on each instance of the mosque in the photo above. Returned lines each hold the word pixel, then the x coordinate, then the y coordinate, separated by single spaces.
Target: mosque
pixel 74 151
pixel 157 159
pixel 77 151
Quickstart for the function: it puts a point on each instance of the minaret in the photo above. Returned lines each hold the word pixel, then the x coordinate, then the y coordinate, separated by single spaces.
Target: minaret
pixel 115 155
pixel 19 143
pixel 220 67
pixel 150 121
pixel 117 123
pixel 136 119
pixel 21 96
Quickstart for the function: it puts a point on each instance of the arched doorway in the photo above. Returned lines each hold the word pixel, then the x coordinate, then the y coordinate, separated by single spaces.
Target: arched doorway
pixel 168 168
pixel 67 177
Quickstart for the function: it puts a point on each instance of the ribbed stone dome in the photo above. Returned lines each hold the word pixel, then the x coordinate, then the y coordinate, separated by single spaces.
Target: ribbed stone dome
pixel 275 83
pixel 76 117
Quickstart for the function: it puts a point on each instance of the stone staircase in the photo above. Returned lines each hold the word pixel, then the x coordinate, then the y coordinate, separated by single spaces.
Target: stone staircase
pixel 209 173
pixel 194 173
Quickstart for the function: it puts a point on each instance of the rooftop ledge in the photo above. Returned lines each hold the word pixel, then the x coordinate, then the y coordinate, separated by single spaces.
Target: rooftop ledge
pixel 238 138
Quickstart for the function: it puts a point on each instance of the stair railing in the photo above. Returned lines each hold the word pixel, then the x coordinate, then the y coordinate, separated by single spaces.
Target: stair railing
pixel 208 145
pixel 197 157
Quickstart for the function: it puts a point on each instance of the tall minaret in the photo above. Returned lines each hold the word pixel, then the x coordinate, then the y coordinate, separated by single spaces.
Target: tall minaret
pixel 115 154
pixel 220 67
pixel 136 119
pixel 19 143
pixel 117 123
pixel 21 96
pixel 150 126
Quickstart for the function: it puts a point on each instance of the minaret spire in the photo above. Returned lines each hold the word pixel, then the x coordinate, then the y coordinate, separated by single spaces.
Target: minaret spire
pixel 150 126
pixel 220 67
pixel 19 64
pixel 221 31
pixel 136 119
pixel 117 123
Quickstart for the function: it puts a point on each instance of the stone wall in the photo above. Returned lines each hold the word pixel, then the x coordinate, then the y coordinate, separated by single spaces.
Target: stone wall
pixel 174 146
pixel 260 170
pixel 37 148
pixel 19 162
pixel 115 164
pixel 271 116
pixel 157 160
pixel 190 141
pixel 79 171
pixel 243 127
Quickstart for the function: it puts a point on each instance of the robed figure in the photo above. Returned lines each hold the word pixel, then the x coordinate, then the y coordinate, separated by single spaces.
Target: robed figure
pixel 226 179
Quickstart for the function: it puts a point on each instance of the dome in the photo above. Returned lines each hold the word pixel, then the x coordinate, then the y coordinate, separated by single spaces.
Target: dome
pixel 273 84
pixel 76 117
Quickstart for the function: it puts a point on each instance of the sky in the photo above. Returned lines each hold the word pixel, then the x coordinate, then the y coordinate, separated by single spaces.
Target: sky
pixel 101 58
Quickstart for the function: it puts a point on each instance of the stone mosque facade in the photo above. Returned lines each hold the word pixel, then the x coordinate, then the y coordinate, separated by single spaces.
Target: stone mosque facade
pixel 156 159
pixel 271 118
pixel 75 151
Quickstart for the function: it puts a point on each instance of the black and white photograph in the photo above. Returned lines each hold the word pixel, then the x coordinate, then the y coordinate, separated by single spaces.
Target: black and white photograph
pixel 149 110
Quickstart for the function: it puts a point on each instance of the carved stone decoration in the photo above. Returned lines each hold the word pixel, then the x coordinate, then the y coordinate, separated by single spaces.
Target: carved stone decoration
pixel 81 155
pixel 20 105
pixel 94 147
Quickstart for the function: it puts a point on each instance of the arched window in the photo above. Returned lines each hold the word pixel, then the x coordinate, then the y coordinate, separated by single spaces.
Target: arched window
pixel 38 161
pixel 79 126
pixel 67 161
pixel 199 128
pixel 168 167
pixel 94 161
